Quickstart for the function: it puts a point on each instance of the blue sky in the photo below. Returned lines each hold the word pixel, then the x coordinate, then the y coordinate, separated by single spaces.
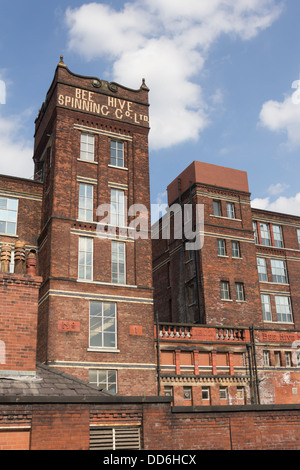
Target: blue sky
pixel 222 78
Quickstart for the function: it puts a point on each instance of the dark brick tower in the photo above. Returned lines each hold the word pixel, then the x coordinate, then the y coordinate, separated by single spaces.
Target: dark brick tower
pixel 96 301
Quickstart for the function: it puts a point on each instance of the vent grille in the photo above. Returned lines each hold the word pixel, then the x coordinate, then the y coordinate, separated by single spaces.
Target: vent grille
pixel 125 437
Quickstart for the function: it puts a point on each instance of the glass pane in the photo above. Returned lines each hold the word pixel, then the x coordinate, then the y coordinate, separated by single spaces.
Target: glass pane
pixel 109 340
pixel 12 204
pixel 11 228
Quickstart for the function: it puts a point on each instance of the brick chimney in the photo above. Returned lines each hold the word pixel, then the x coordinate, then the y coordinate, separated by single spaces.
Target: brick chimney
pixel 18 315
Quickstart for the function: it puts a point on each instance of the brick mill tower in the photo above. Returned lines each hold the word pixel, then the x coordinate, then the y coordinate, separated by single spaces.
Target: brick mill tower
pixel 96 300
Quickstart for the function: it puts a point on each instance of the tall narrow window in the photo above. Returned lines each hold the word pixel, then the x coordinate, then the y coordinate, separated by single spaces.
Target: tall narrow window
pixel 298 237
pixel 217 208
pixel 262 270
pixel 235 248
pixel 225 292
pixel 266 358
pixel 283 309
pixel 117 153
pixel 265 234
pixel 239 291
pixel 230 210
pixel 85 258
pixel 8 215
pixel 277 233
pixel 117 208
pixel 85 209
pixel 254 225
pixel 278 268
pixel 103 324
pixel 221 247
pixel 87 147
pixel 118 274
pixel 266 307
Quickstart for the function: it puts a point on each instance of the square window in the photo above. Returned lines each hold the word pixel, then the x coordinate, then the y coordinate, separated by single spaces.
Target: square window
pixel 104 379
pixel 205 393
pixel 223 393
pixel 168 391
pixel 283 309
pixel 278 268
pixel 8 215
pixel 187 393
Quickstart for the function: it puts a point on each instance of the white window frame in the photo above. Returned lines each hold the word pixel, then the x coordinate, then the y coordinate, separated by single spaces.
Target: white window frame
pixel 104 325
pixel 221 244
pixel 118 259
pixel 85 251
pixel 240 292
pixel 266 307
pixel 108 378
pixel 223 393
pixel 8 215
pixel 117 212
pixel 205 390
pixel 266 358
pixel 235 249
pixel 87 147
pixel 279 273
pixel 283 316
pixel 265 234
pixel 117 153
pixel 225 292
pixel 230 210
pixel 86 202
pixel 278 237
pixel 262 269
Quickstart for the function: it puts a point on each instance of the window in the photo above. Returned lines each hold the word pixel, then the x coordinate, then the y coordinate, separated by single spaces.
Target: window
pixel 103 324
pixel 118 262
pixel 168 391
pixel 266 307
pixel 265 234
pixel 85 210
pixel 223 393
pixel 221 247
pixel 235 248
pixel 217 208
pixel 87 147
pixel 240 393
pixel 117 208
pixel 283 309
pixel 205 393
pixel 298 236
pixel 8 215
pixel 117 153
pixel 239 291
pixel 85 258
pixel 104 379
pixel 288 359
pixel 278 271
pixel 187 393
pixel 254 225
pixel 262 270
pixel 277 357
pixel 225 292
pixel 277 233
pixel 230 210
pixel 266 358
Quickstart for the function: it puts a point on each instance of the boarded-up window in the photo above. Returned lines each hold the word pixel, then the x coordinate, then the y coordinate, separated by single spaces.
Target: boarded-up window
pixel 114 438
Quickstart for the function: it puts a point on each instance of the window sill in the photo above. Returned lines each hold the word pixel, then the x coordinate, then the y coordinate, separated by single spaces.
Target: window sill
pixel 87 161
pixel 227 300
pixel 223 256
pixel 114 350
pixel 118 167
pixel 8 235
pixel 226 218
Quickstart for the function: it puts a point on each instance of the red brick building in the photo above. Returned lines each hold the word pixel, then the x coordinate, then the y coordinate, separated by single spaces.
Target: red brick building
pixel 80 284
pixel 242 287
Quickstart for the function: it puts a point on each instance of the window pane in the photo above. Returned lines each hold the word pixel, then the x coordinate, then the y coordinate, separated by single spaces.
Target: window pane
pixel 230 210
pixel 266 307
pixel 217 208
pixel 262 269
pixel 8 215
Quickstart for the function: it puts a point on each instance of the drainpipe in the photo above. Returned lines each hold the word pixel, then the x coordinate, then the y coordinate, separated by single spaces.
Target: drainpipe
pixel 255 365
pixel 158 356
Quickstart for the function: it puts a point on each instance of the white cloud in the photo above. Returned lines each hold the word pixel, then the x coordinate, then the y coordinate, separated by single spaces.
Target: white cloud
pixel 283 117
pixel 167 42
pixel 278 188
pixel 285 205
pixel 16 152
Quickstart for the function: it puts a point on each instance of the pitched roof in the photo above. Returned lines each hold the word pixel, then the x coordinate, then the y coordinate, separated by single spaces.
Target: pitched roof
pixel 48 382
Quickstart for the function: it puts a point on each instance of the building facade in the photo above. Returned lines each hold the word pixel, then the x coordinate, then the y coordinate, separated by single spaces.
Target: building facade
pixel 229 313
